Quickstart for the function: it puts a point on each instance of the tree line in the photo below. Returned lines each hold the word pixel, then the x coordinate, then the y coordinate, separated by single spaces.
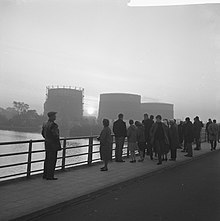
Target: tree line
pixel 20 117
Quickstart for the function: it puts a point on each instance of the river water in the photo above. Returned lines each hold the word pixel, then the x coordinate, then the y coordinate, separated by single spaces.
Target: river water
pixel 9 136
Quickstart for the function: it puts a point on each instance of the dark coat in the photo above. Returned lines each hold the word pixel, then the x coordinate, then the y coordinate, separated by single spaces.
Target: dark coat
pixel 105 144
pixel 197 127
pixel 119 128
pixel 188 132
pixel 50 132
pixel 147 126
pixel 154 129
pixel 132 134
pixel 174 137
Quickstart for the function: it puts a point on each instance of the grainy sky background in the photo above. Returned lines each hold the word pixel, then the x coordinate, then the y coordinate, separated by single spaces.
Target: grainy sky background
pixel 166 54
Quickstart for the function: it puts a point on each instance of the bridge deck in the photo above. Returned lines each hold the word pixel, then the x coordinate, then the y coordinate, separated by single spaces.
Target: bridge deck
pixel 36 195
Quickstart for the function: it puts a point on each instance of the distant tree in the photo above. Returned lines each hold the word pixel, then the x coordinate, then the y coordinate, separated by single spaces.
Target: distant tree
pixel 20 107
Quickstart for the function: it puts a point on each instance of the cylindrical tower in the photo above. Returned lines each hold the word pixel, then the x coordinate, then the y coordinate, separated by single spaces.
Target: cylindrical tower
pixel 67 101
pixel 111 104
pixel 163 109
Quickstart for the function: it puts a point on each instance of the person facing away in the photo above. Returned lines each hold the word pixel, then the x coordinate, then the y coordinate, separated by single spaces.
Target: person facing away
pixel 213 134
pixel 180 133
pixel 50 132
pixel 105 139
pixel 159 137
pixel 120 131
pixel 197 127
pixel 174 139
pixel 188 136
pixel 206 129
pixel 140 140
pixel 148 122
pixel 132 140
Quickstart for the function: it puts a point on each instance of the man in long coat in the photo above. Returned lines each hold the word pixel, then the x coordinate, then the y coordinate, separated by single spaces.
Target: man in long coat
pixel 213 134
pixel 174 139
pixel 188 136
pixel 50 132
pixel 197 127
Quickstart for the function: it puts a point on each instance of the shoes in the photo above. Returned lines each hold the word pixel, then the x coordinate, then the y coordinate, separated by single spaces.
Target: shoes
pixel 133 161
pixel 172 159
pixel 141 160
pixel 53 178
pixel 196 148
pixel 120 161
pixel 187 155
pixel 104 169
pixel 159 163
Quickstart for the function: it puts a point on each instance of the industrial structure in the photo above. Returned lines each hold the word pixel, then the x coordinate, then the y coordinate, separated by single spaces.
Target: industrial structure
pixel 164 109
pixel 111 104
pixel 67 101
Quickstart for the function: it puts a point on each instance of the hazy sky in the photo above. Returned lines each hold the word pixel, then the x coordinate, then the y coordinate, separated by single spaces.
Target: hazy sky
pixel 166 54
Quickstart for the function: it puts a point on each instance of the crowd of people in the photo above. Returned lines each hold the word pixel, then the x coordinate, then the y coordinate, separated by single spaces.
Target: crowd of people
pixel 155 138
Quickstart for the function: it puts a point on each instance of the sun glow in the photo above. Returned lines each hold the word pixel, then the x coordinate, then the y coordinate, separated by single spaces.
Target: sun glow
pixel 90 110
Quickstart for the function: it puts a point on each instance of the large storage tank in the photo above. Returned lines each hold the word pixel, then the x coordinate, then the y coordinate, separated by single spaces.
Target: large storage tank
pixel 163 109
pixel 111 104
pixel 67 101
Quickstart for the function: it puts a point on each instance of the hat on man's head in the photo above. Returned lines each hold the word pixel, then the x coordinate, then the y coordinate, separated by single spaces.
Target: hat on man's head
pixel 51 113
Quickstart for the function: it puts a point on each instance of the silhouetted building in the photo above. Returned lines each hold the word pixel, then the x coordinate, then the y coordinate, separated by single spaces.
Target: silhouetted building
pixel 68 102
pixel 164 109
pixel 111 104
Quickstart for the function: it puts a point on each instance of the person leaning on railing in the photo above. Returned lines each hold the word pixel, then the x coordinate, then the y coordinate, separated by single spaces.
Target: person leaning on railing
pixel 50 132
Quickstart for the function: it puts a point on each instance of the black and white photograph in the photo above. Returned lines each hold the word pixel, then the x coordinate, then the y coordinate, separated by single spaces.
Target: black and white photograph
pixel 110 110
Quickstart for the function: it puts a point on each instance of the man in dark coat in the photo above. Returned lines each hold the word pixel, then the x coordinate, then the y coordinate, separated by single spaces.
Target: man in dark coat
pixel 50 132
pixel 188 136
pixel 197 127
pixel 159 137
pixel 147 126
pixel 120 131
pixel 174 139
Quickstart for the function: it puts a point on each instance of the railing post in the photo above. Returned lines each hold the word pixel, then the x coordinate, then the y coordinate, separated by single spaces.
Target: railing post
pixel 64 155
pixel 29 159
pixel 90 150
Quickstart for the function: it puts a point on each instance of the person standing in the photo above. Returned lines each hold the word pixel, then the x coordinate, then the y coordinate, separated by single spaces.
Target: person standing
pixel 140 140
pixel 50 132
pixel 105 139
pixel 174 139
pixel 206 129
pixel 180 133
pixel 188 136
pixel 120 131
pixel 197 127
pixel 147 122
pixel 159 137
pixel 132 140
pixel 213 134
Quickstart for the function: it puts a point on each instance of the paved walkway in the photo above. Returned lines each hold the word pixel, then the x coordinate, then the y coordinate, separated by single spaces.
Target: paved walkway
pixel 35 196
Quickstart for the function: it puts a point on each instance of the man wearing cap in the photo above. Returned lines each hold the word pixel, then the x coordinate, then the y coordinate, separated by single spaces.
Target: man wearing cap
pixel 50 132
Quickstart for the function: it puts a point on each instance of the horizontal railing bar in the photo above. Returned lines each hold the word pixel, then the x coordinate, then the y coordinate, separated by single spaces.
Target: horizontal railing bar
pixel 13 165
pixel 72 164
pixel 76 155
pixel 13 154
pixel 74 147
pixel 11 175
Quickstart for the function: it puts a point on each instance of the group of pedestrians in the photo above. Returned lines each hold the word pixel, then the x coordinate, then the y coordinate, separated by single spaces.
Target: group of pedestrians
pixel 154 138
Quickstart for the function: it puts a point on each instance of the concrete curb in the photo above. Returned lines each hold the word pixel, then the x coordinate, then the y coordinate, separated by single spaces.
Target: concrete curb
pixel 106 189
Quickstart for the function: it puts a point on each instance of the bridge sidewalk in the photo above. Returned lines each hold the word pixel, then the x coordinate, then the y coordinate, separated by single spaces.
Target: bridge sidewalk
pixel 36 196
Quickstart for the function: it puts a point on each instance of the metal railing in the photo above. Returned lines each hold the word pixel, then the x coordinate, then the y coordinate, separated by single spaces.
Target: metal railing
pixel 67 155
pixel 89 156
